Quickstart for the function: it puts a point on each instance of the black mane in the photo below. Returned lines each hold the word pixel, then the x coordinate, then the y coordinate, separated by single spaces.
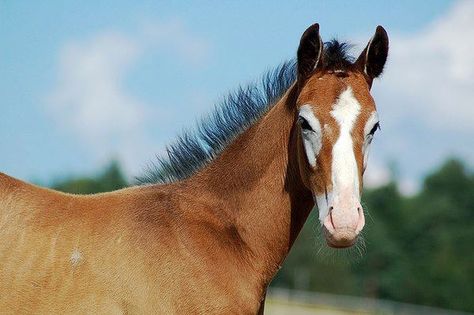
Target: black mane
pixel 336 56
pixel 195 148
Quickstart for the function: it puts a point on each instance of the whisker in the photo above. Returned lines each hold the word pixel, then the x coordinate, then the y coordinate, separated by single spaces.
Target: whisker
pixel 331 255
pixel 367 212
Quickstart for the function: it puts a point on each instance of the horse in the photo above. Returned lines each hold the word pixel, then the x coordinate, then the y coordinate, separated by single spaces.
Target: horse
pixel 209 225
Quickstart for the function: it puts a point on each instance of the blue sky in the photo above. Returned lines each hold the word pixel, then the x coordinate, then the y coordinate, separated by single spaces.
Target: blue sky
pixel 82 83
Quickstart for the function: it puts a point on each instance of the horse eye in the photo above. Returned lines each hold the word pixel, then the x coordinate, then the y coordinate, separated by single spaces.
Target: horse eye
pixel 374 129
pixel 304 124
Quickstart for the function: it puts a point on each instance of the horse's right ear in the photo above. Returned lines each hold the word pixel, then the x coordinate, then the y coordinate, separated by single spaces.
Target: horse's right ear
pixel 310 53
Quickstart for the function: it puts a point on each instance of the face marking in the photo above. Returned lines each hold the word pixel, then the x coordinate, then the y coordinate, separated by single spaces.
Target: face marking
pixel 371 122
pixel 322 202
pixel 344 165
pixel 344 108
pixel 312 139
pixel 373 119
pixel 344 177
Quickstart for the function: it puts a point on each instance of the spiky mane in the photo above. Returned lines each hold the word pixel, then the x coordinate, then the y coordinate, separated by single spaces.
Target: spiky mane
pixel 195 148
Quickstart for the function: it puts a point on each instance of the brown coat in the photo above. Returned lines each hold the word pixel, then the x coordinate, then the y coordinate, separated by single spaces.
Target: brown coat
pixel 209 244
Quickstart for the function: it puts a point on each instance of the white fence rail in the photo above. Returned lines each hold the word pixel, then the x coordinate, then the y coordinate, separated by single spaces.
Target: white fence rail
pixel 353 305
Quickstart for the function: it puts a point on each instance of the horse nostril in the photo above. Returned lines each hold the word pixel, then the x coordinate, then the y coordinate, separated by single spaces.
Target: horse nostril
pixel 330 216
pixel 361 221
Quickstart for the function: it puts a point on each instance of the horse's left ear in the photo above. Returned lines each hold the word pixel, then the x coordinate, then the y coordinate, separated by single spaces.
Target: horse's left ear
pixel 372 59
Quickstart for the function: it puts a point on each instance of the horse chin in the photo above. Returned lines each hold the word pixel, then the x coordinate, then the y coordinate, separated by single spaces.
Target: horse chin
pixel 341 241
pixel 340 246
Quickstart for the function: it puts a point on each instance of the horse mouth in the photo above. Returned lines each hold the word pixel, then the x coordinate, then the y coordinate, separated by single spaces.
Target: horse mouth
pixel 341 238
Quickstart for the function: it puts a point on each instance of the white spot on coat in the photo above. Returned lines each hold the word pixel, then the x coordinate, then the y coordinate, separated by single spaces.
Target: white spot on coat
pixel 76 257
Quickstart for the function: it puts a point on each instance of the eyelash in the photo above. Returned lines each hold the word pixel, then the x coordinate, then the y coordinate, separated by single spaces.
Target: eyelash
pixel 370 136
pixel 304 124
pixel 374 129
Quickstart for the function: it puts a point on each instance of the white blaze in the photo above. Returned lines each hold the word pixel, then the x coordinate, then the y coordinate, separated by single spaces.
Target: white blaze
pixel 345 178
pixel 345 175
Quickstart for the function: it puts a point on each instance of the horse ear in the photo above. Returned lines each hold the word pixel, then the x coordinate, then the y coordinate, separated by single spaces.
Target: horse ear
pixel 310 53
pixel 372 59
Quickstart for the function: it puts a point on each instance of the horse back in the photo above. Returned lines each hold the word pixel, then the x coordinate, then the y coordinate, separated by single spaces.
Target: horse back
pixel 133 250
pixel 63 253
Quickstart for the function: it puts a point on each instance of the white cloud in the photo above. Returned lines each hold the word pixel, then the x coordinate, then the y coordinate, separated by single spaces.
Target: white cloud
pixel 174 35
pixel 90 96
pixel 425 97
pixel 435 68
pixel 90 99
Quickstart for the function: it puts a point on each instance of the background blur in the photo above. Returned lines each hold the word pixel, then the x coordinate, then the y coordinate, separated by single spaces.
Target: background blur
pixel 90 93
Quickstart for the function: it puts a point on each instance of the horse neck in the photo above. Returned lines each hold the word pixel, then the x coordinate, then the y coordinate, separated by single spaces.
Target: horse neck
pixel 257 179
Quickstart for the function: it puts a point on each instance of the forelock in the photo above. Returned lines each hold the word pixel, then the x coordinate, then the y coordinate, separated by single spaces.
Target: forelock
pixel 336 56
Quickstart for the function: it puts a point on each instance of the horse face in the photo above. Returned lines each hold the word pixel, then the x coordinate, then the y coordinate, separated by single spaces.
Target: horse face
pixel 336 123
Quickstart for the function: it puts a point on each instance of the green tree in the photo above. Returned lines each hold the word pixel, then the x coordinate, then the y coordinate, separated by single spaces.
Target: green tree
pixel 110 179
pixel 440 232
pixel 381 266
pixel 310 266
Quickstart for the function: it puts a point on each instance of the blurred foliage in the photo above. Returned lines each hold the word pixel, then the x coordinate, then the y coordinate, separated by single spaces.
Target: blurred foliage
pixel 419 249
pixel 112 178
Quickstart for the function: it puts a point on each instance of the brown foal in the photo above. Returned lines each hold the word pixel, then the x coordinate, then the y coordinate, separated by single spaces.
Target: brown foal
pixel 209 241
